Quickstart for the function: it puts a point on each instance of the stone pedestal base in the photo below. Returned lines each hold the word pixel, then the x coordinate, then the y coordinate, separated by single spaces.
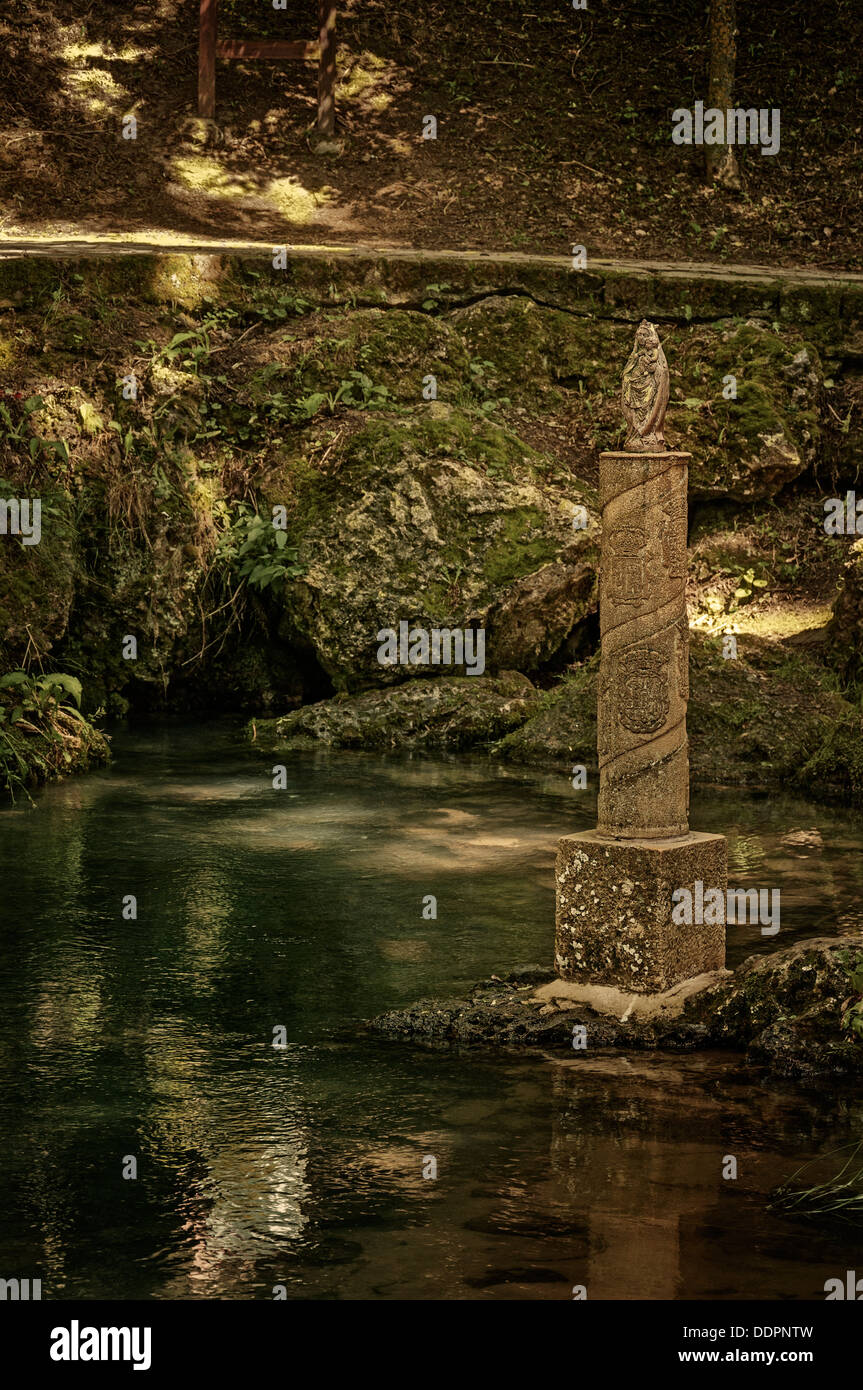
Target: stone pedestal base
pixel 614 906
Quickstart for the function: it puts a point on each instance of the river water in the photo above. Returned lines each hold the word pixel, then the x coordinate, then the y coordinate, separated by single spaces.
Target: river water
pixel 151 1040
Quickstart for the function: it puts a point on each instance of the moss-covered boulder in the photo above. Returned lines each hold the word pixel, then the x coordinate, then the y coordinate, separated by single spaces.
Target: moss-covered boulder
pixel 760 719
pixel 459 712
pixel 745 403
pixel 439 519
pixel 562 728
pixel 790 1008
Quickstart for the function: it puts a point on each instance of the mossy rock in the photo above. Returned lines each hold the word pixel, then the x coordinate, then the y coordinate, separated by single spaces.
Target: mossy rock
pixel 436 519
pixel 457 712
pixel 745 448
pixel 531 347
pixel 785 1007
pixel 750 446
pixel 397 350
pixel 562 729
pixel 764 719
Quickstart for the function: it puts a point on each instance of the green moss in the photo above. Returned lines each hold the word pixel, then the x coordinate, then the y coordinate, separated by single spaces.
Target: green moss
pixel 189 281
pixel 836 765
pixel 522 546
pixel 27 279
pixel 37 582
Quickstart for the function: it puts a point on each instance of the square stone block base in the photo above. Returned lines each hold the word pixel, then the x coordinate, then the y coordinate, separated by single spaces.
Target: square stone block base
pixel 614 906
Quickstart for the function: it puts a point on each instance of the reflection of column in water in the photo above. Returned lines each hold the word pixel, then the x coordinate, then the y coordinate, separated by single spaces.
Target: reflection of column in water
pixel 631 1182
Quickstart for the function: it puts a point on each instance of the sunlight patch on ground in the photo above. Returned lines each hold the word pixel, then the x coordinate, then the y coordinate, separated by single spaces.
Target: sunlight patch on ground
pixel 96 91
pixel 202 174
pixel 80 52
pixel 784 621
pixel 397 145
pixel 294 201
pixel 367 81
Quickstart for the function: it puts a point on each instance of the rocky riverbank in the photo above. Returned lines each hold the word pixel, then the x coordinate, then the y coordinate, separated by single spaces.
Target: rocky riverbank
pixel 798 1012
pixel 427 437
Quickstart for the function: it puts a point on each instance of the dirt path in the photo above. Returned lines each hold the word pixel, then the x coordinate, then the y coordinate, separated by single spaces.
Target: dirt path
pixel 145 244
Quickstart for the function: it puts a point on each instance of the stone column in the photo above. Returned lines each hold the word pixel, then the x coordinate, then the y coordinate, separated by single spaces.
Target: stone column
pixel 619 912
pixel 644 663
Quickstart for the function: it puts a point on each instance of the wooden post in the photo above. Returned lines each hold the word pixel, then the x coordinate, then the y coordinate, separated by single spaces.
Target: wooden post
pixel 207 61
pixel 210 48
pixel 326 122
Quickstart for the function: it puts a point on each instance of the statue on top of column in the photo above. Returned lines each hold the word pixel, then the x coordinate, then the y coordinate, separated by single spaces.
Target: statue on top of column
pixel 644 396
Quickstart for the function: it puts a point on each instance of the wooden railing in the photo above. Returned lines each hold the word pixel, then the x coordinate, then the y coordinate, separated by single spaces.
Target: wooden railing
pixel 323 48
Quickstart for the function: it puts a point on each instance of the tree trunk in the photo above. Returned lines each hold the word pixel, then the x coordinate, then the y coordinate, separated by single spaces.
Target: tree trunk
pixel 721 165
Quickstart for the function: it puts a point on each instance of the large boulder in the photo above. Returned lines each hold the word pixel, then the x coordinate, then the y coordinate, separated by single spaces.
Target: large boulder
pixel 790 1008
pixel 745 402
pixel 441 520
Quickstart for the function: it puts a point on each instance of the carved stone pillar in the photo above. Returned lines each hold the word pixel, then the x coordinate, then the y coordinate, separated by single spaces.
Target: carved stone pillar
pixel 644 663
pixel 618 885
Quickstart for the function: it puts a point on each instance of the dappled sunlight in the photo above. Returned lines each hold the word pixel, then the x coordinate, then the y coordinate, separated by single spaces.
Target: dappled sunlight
pixel 204 174
pixel 97 93
pixel 531 123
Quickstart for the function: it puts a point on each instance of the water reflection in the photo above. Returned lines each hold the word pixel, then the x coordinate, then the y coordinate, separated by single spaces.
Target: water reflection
pixel 303 1166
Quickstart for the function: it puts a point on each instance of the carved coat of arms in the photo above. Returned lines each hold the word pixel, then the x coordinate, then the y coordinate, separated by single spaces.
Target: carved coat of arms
pixel 643 692
pixel 626 545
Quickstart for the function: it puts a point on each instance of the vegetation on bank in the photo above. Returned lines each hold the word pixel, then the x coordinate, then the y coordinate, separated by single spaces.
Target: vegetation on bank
pixel 250 473
pixel 43 734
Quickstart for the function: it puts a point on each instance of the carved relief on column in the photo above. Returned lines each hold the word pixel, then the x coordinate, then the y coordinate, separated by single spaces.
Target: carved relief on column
pixel 644 667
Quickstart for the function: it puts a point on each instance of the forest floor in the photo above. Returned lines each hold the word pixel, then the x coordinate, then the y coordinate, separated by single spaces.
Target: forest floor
pixel 545 137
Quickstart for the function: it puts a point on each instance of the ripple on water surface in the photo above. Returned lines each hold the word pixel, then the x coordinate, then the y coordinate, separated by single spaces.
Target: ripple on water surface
pixel 304 1166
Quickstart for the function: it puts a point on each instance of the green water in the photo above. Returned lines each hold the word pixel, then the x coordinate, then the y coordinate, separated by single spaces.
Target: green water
pixel 303 1166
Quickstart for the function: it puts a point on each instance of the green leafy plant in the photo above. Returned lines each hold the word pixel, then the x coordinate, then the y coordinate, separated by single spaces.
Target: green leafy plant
pixel 356 389
pixel 432 295
pixel 482 386
pixel 746 584
pixel 189 349
pixel 19 431
pixel 257 550
pixel 42 728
